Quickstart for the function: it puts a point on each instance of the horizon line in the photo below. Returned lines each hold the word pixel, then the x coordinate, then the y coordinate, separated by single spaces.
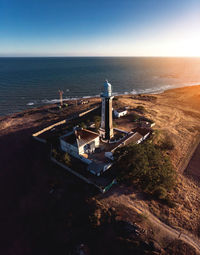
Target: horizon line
pixel 106 56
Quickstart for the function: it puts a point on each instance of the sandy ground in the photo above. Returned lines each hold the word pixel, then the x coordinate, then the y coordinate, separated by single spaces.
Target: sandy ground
pixel 177 114
pixel 38 118
pixel 126 198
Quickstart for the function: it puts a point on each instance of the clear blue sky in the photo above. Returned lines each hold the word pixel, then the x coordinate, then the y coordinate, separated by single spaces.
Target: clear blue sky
pixel 99 28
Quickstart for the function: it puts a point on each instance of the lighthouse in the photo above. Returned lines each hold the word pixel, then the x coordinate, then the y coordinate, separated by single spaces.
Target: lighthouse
pixel 106 129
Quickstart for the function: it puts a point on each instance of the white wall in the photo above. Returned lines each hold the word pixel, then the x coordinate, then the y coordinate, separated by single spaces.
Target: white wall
pixel 72 150
pixel 68 147
pixel 76 152
pixel 120 114
pixel 97 142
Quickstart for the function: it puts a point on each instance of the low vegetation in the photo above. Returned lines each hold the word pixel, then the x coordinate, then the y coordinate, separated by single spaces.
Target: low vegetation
pixel 97 122
pixel 83 125
pixel 167 144
pixel 144 98
pixel 63 157
pixel 67 159
pixel 135 117
pixel 145 166
pixel 140 109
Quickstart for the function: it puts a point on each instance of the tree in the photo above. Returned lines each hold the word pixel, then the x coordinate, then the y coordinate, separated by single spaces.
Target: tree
pixel 145 166
pixel 54 153
pixel 97 122
pixel 167 144
pixel 83 125
pixel 140 108
pixel 160 192
pixel 66 158
pixel 134 116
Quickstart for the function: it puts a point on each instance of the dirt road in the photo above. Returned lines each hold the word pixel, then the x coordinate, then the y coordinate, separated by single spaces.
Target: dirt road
pixel 131 202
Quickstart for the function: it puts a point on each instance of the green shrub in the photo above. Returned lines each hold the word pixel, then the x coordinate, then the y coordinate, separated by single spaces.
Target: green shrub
pixel 169 202
pixel 83 125
pixel 167 144
pixel 97 122
pixel 145 166
pixel 160 192
pixel 140 108
pixel 66 159
pixel 135 117
pixel 54 153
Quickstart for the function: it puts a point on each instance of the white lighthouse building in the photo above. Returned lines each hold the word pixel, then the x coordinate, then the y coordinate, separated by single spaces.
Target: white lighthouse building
pixel 106 129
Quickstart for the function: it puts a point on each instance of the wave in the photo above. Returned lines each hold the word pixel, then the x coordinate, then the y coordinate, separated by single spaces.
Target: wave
pixel 54 101
pixel 153 90
pixel 161 89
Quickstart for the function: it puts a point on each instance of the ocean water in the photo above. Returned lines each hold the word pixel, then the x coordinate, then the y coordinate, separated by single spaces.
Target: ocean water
pixel 32 82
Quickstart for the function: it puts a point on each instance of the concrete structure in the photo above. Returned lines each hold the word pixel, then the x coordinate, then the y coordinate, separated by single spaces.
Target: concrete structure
pixel 86 145
pixel 145 132
pixel 146 124
pixel 79 143
pixel 106 129
pixel 119 113
pixel 98 168
pixel 136 137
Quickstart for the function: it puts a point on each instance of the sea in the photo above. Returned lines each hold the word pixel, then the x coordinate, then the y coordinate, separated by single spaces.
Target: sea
pixel 31 82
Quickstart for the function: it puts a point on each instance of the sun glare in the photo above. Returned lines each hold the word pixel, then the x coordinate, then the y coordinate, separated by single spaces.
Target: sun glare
pixel 191 45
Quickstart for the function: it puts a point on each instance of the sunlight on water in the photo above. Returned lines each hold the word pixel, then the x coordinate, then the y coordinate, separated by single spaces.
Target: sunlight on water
pixel 30 82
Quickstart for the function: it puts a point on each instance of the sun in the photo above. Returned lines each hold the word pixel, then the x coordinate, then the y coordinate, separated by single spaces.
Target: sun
pixel 190 45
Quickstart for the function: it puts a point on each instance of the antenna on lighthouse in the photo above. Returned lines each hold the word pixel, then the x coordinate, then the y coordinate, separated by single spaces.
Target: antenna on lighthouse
pixel 61 97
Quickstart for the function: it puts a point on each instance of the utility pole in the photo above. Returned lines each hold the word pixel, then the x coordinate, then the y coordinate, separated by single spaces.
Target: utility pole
pixel 61 97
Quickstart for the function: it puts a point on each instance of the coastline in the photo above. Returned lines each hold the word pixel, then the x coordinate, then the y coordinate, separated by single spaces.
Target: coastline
pixel 176 113
pixel 152 91
pixel 47 103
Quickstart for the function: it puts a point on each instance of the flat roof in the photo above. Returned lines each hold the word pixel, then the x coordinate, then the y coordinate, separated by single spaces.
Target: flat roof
pixel 134 138
pixel 96 167
pixel 142 131
pixel 120 110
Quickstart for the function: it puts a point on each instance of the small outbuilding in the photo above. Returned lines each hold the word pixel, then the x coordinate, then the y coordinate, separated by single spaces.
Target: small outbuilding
pixel 119 112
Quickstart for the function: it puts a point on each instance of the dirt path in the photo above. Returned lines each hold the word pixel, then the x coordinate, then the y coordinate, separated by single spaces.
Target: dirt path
pixel 131 202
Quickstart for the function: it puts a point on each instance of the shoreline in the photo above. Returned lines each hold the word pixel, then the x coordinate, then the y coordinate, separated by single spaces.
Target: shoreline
pixel 55 102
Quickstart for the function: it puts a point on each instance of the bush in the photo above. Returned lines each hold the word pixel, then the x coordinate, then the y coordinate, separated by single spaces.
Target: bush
pixel 160 192
pixel 97 122
pixel 83 125
pixel 145 166
pixel 54 153
pixel 135 117
pixel 66 159
pixel 140 108
pixel 169 202
pixel 167 144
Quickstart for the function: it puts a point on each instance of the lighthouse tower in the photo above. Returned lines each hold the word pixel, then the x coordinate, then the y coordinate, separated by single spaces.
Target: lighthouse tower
pixel 106 129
